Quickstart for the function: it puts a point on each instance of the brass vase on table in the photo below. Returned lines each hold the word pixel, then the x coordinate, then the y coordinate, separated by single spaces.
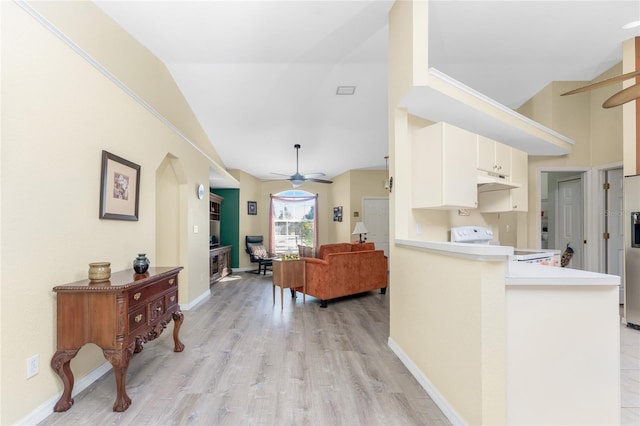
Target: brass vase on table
pixel 99 271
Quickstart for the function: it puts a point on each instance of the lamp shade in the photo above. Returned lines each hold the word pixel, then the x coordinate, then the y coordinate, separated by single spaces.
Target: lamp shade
pixel 360 228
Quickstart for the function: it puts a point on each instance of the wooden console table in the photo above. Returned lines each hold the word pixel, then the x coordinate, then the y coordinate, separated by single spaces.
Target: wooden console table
pixel 288 274
pixel 119 316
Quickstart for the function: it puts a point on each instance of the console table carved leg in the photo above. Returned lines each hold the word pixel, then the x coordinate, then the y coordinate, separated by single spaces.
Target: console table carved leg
pixel 178 317
pixel 119 359
pixel 60 363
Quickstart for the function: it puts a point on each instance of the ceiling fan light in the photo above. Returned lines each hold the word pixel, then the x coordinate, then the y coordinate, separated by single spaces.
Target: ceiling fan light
pixel 297 182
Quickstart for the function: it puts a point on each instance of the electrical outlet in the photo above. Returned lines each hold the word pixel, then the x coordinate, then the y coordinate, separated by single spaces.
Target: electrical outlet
pixel 33 366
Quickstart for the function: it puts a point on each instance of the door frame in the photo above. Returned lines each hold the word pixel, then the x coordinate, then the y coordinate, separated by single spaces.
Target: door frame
pixel 589 231
pixel 599 214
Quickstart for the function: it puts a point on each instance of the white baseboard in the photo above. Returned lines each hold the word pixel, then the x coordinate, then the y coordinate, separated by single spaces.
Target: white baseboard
pixel 46 409
pixel 195 301
pixel 426 384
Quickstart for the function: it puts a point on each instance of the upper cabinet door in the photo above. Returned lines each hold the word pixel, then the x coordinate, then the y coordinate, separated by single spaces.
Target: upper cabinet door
pixel 486 155
pixel 493 157
pixel 503 159
pixel 443 168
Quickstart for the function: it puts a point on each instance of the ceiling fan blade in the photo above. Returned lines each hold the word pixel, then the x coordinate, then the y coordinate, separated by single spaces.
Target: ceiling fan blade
pixel 623 96
pixel 319 180
pixel 313 175
pixel 603 83
pixel 280 174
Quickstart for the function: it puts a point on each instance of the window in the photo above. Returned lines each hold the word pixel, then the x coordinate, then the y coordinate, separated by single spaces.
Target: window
pixel 293 221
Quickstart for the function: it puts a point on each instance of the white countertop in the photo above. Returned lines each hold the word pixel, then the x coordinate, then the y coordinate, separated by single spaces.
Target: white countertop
pixel 480 252
pixel 520 273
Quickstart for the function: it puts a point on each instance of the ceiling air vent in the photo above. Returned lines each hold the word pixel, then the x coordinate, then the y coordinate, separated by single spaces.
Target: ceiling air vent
pixel 346 90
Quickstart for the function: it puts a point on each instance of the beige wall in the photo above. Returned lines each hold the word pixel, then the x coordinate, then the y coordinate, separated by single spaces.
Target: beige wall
pixel 250 190
pixel 364 183
pixel 134 65
pixel 340 196
pixel 58 114
pixel 597 132
pixel 460 338
pixel 348 190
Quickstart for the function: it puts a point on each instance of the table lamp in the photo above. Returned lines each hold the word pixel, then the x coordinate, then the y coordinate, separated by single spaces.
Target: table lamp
pixel 360 229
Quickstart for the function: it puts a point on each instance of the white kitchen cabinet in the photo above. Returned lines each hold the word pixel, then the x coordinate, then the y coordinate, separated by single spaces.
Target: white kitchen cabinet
pixel 516 199
pixel 444 168
pixel 493 157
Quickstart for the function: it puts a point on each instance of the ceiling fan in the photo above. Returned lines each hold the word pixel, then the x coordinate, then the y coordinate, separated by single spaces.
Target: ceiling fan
pixel 297 179
pixel 622 97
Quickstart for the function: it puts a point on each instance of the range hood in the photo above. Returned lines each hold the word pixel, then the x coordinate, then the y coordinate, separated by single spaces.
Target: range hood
pixel 487 182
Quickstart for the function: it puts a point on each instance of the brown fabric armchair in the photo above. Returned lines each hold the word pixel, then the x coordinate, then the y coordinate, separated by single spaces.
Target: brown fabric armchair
pixel 344 269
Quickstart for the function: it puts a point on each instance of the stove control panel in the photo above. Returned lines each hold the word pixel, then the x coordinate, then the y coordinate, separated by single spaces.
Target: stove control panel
pixel 471 234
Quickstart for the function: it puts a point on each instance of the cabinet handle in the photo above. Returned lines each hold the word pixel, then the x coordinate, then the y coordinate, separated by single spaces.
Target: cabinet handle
pixel 172 298
pixel 137 296
pixel 515 206
pixel 171 281
pixel 138 318
pixel 159 308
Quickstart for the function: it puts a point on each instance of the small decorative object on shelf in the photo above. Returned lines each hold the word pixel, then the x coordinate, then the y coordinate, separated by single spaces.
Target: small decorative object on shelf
pixel 290 256
pixel 99 271
pixel 141 264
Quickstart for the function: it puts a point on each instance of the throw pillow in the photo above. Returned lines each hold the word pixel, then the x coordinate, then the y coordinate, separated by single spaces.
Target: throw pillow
pixel 259 251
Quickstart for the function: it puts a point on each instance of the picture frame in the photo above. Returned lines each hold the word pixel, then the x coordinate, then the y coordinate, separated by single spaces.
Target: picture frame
pixel 252 207
pixel 119 188
pixel 337 214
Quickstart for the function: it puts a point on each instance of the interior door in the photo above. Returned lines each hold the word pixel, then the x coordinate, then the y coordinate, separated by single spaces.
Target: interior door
pixel 570 219
pixel 375 212
pixel 615 219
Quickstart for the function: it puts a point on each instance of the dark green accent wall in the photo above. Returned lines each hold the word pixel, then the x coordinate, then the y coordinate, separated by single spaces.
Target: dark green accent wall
pixel 230 222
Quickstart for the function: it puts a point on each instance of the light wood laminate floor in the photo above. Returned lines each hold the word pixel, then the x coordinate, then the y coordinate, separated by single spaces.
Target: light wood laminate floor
pixel 247 362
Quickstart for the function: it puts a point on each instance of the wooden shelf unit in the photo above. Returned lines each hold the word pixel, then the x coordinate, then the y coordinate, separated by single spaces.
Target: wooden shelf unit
pixel 214 206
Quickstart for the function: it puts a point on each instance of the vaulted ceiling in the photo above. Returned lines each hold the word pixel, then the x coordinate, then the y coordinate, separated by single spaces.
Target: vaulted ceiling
pixel 262 76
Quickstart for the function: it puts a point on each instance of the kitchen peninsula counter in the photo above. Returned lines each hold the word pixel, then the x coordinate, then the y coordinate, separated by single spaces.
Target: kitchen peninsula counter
pixel 517 273
pixel 522 337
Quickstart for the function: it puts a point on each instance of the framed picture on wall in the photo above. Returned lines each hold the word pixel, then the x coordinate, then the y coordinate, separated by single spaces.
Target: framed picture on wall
pixel 252 207
pixel 337 214
pixel 119 188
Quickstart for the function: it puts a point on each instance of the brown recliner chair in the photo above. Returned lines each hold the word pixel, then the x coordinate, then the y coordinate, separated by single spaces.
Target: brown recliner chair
pixel 254 246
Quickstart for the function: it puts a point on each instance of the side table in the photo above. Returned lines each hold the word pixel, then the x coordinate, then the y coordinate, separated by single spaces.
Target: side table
pixel 288 274
pixel 120 316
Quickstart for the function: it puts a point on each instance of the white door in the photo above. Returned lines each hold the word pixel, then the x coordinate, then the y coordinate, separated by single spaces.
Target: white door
pixel 570 219
pixel 615 226
pixel 375 215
